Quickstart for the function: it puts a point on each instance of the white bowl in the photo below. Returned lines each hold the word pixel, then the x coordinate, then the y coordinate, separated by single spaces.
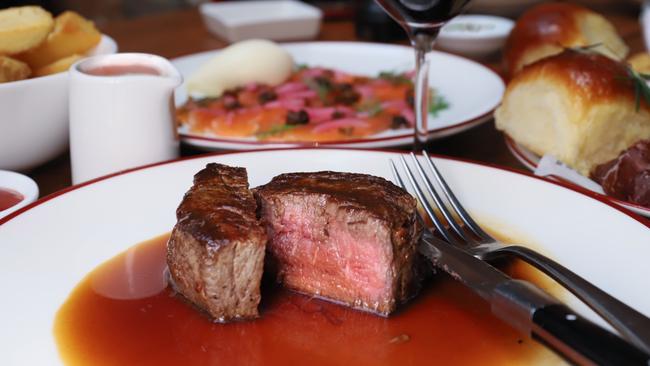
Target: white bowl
pixel 21 184
pixel 34 117
pixel 475 36
pixel 509 8
pixel 274 19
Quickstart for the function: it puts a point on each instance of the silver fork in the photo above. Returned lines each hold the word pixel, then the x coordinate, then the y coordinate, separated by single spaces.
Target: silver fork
pixel 632 325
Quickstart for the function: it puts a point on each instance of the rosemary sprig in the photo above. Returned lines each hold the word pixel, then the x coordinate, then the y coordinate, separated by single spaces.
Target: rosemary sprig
pixel 275 130
pixel 641 88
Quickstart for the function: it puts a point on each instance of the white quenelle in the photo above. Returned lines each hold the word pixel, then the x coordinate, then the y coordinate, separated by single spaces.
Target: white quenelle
pixel 121 113
pixel 252 61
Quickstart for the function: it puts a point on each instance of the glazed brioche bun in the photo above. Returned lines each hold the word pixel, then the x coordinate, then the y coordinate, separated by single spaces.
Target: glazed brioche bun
pixel 579 107
pixel 22 28
pixel 547 29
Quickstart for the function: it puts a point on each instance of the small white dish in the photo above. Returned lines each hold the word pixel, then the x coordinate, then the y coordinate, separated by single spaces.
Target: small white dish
pixel 276 20
pixel 475 35
pixel 21 184
pixel 34 120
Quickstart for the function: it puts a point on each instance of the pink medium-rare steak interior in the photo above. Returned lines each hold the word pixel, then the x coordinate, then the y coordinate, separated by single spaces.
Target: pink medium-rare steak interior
pixel 320 255
pixel 345 237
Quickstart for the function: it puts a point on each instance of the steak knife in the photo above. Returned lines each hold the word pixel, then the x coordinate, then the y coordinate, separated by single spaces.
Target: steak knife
pixel 531 310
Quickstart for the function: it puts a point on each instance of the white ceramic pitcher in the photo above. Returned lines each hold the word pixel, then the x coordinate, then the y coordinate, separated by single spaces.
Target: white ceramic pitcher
pixel 121 113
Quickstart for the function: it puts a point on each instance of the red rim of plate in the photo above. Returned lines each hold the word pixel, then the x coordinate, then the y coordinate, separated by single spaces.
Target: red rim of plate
pixel 572 187
pixel 476 120
pixel 520 155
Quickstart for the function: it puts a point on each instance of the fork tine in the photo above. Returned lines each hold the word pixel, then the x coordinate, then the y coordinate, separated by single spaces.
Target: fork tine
pixel 460 210
pixel 438 201
pixel 425 204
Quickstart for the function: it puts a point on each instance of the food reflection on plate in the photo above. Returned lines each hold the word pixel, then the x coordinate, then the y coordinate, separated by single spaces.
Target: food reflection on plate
pixel 253 90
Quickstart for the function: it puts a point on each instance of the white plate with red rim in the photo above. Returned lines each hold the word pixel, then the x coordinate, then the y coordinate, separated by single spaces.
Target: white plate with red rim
pixel 50 245
pixel 472 90
pixel 530 160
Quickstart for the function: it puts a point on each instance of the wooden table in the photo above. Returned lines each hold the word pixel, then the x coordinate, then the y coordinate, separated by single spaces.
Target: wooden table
pixel 180 33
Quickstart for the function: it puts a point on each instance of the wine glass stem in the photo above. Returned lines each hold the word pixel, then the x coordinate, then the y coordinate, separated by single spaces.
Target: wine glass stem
pixel 423 43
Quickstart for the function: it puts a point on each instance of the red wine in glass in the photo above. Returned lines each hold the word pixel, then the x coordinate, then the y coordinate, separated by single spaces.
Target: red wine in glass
pixel 422 20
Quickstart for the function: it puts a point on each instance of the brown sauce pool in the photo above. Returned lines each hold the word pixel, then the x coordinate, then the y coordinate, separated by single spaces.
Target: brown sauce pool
pixel 123 313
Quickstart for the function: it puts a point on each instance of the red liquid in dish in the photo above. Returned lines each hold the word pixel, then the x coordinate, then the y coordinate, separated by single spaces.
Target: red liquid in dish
pixel 9 198
pixel 123 313
pixel 120 70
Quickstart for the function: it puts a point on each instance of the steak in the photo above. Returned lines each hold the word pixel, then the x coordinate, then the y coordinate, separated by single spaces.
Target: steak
pixel 216 250
pixel 349 238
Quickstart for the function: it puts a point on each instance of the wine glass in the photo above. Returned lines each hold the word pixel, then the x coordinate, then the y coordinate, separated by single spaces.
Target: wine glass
pixel 422 20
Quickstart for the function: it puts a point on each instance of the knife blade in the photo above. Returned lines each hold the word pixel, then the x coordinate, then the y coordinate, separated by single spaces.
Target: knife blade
pixel 531 310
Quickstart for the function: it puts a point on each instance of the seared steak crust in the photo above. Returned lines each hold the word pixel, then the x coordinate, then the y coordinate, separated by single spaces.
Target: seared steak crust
pixel 216 250
pixel 346 237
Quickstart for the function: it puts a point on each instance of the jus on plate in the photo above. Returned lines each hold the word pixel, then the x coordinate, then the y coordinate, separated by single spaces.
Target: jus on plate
pixel 574 229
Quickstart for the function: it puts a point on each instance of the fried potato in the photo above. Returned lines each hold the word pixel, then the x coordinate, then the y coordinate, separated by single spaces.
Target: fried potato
pixel 57 66
pixel 72 34
pixel 640 62
pixel 12 69
pixel 23 28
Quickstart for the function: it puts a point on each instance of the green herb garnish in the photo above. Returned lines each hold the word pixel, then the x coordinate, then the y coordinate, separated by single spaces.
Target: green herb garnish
pixel 641 89
pixel 204 102
pixel 275 130
pixel 371 107
pixel 322 89
pixel 300 67
pixel 437 104
pixel 395 78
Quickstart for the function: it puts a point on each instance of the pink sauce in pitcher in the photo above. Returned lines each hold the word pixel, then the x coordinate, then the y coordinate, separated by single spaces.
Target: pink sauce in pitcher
pixel 121 70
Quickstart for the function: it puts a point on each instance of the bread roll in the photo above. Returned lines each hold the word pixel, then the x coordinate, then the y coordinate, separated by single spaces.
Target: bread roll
pixel 22 28
pixel 13 70
pixel 579 107
pixel 547 29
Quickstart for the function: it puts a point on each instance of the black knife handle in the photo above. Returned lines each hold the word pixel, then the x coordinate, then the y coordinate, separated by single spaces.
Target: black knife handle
pixel 582 341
